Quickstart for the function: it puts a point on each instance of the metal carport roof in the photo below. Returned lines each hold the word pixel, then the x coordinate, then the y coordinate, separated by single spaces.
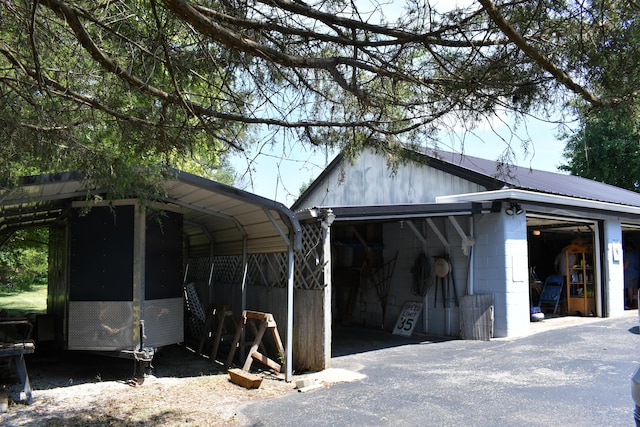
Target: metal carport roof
pixel 213 212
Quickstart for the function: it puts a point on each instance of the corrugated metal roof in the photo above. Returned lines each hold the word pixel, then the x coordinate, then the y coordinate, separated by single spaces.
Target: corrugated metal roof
pixel 212 211
pixel 229 213
pixel 536 180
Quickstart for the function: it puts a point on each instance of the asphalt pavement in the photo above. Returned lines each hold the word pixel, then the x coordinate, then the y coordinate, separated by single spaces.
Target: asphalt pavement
pixel 566 372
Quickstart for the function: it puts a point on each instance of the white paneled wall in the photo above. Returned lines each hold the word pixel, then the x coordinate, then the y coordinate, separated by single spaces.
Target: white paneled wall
pixel 369 181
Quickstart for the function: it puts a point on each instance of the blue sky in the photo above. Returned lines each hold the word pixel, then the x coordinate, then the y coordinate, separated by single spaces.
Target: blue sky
pixel 279 171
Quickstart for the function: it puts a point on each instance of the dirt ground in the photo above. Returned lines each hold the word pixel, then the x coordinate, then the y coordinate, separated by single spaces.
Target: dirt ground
pixel 183 389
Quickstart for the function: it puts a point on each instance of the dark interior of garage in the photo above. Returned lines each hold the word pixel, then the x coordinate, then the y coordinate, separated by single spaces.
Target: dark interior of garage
pixel 546 241
pixel 554 249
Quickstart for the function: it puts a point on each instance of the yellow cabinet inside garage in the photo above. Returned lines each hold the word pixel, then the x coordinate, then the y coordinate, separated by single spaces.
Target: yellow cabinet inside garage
pixel 580 280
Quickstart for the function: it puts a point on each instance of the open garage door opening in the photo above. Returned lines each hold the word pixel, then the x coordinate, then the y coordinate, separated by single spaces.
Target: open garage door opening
pixel 563 266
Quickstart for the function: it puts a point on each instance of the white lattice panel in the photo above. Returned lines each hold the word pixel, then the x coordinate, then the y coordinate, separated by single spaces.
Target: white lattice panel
pixel 271 269
pixel 310 262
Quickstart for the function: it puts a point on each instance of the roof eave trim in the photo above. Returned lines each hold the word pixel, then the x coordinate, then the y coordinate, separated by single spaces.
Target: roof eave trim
pixel 402 212
pixel 535 197
pixel 316 182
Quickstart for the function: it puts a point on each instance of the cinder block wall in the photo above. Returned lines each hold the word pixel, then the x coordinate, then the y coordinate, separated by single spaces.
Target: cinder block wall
pixel 501 268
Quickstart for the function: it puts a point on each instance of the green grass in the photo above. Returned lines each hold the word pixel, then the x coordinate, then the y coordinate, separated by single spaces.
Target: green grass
pixel 22 303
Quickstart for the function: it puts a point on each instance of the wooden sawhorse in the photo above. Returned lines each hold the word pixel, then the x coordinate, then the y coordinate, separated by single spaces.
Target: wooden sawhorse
pixel 265 321
pixel 221 315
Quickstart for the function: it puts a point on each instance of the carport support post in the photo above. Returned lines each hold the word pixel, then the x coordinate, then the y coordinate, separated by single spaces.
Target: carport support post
pixel 290 239
pixel 288 355
pixel 139 265
pixel 471 266
pixel 326 223
pixel 243 298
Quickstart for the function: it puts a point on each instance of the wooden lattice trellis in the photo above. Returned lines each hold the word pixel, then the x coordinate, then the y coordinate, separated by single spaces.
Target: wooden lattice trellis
pixel 197 280
pixel 309 264
pixel 227 270
pixel 199 269
pixel 268 270
pixel 271 269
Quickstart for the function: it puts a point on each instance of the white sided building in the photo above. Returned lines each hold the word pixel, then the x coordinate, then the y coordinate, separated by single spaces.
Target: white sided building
pixel 470 241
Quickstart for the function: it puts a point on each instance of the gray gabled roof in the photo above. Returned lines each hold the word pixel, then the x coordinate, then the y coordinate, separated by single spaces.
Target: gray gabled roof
pixel 494 175
pixel 212 211
pixel 523 178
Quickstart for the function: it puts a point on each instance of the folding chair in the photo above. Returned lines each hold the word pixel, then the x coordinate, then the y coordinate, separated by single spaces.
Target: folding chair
pixel 551 294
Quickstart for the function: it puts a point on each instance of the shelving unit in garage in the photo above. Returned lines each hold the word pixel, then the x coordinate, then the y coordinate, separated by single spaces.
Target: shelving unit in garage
pixel 580 280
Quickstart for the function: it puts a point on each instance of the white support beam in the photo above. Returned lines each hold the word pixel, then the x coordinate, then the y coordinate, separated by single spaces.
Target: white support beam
pixel 418 234
pixel 243 290
pixel 289 348
pixel 467 241
pixel 282 232
pixel 139 276
pixel 326 223
pixel 443 240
